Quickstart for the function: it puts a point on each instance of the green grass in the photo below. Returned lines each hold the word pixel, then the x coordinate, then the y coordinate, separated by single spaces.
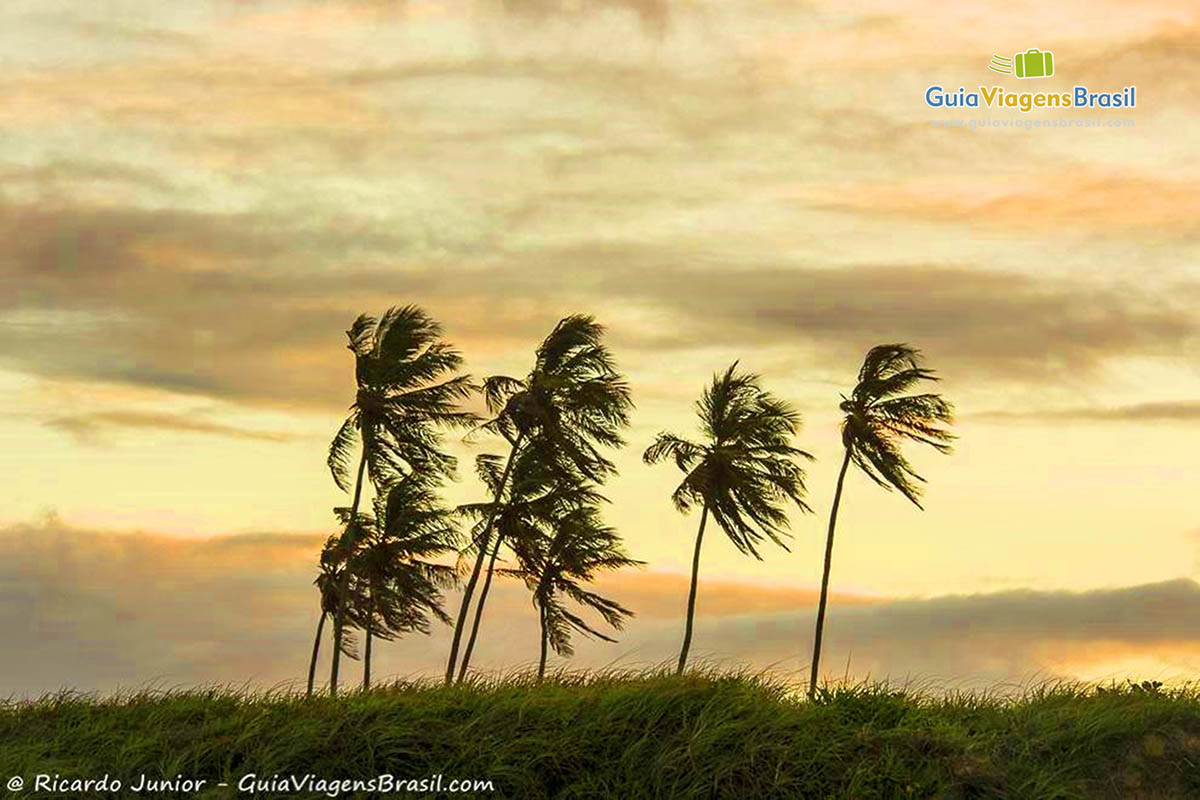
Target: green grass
pixel 634 736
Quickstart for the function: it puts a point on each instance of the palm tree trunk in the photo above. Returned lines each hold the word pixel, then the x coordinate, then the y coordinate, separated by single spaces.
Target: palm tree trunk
pixel 312 665
pixel 339 619
pixel 483 593
pixel 367 646
pixel 691 606
pixel 485 538
pixel 837 499
pixel 542 662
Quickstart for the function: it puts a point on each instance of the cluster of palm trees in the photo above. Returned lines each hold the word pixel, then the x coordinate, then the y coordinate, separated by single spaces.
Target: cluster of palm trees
pixel 384 573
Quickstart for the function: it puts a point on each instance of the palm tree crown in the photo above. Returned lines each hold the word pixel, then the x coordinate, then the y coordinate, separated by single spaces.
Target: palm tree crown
pixel 573 398
pixel 402 396
pixel 557 565
pixel 879 417
pixel 746 468
pixel 412 530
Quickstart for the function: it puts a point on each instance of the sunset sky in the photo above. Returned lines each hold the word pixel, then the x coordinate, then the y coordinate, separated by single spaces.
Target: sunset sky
pixel 196 199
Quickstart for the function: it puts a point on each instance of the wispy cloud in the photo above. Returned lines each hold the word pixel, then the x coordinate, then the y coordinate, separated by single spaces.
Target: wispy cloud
pixel 91 427
pixel 1137 412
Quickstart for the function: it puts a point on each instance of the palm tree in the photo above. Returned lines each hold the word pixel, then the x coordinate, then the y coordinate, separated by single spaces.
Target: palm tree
pixel 879 418
pixel 743 473
pixel 402 586
pixel 327 581
pixel 555 568
pixel 403 395
pixel 573 401
pixel 538 490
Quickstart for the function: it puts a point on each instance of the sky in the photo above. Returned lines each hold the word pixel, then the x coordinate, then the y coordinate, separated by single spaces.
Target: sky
pixel 196 199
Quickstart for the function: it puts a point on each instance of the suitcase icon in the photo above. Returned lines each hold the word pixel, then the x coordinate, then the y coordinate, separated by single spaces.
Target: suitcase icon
pixel 1034 63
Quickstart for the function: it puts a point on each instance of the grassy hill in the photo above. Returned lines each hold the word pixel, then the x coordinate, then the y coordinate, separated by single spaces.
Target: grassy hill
pixel 625 737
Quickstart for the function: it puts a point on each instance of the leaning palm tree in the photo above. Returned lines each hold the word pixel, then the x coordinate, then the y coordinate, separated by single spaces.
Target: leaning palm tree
pixel 574 401
pixel 879 418
pixel 405 391
pixel 332 583
pixel 327 582
pixel 538 490
pixel 402 584
pixel 743 473
pixel 556 568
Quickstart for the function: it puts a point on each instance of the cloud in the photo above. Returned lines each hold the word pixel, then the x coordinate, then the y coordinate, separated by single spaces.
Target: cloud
pixel 1045 202
pixel 101 611
pixel 1003 325
pixel 90 427
pixel 659 595
pixel 1166 60
pixel 252 308
pixel 1136 412
pixel 199 213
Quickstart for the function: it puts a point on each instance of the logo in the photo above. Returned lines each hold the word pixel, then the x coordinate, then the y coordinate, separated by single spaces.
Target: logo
pixel 1033 63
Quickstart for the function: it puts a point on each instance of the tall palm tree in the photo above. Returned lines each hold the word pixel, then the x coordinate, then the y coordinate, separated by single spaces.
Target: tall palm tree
pixel 405 391
pixel 743 473
pixel 573 401
pixel 879 418
pixel 557 566
pixel 402 585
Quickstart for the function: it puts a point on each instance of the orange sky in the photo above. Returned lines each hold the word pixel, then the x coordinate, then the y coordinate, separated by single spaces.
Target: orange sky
pixel 196 199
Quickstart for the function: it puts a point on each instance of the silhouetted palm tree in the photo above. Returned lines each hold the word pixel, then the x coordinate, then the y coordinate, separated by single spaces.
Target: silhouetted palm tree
pixel 331 565
pixel 878 419
pixel 403 396
pixel 402 587
pixel 538 491
pixel 557 566
pixel 332 582
pixel 573 401
pixel 743 473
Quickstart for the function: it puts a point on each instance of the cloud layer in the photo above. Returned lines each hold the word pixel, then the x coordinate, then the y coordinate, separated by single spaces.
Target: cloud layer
pixel 219 212
pixel 103 611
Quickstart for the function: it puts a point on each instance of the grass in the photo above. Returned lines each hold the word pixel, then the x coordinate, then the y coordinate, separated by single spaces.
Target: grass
pixel 632 736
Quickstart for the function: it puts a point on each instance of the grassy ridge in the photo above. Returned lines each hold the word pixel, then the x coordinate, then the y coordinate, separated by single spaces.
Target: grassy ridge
pixel 633 737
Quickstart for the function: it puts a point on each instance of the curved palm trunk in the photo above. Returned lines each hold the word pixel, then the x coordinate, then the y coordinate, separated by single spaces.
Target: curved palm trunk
pixel 339 619
pixel 545 638
pixel 837 499
pixel 483 593
pixel 367 647
pixel 485 539
pixel 312 665
pixel 691 606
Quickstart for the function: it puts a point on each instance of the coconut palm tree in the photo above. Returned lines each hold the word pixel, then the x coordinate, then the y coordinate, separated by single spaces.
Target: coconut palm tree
pixel 556 568
pixel 573 401
pixel 879 418
pixel 406 391
pixel 327 582
pixel 537 491
pixel 743 473
pixel 330 583
pixel 402 586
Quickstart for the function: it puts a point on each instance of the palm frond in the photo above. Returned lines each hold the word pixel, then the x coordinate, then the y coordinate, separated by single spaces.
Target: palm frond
pixel 341 453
